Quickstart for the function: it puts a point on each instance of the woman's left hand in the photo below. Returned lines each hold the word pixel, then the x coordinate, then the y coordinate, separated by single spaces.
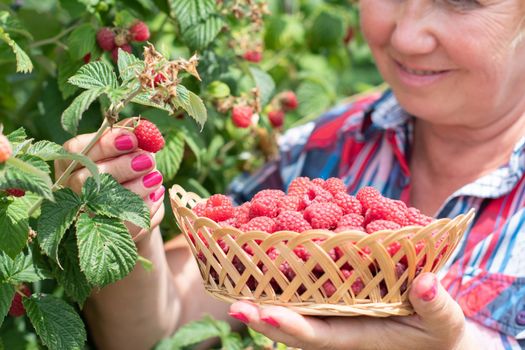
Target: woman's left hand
pixel 439 323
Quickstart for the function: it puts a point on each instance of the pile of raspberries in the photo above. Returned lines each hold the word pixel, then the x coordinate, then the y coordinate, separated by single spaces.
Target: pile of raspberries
pixel 314 204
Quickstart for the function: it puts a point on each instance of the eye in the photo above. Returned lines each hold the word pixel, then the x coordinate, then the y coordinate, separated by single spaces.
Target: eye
pixel 463 4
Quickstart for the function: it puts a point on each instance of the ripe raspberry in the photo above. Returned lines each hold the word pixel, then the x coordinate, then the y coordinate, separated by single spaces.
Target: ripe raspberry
pixel 353 220
pixel 15 192
pixel 242 214
pixel 379 225
pixel 260 223
pixel 159 79
pixel 226 223
pixel 5 149
pixel 319 182
pixel 387 209
pixel 291 221
pixel 288 202
pixel 334 185
pixel 276 118
pixel 254 56
pixel 220 213
pixel 149 137
pixel 269 193
pixel 299 186
pixel 323 215
pixel 368 196
pixel 242 116
pixel 348 203
pixel 106 39
pixel 340 229
pixel 316 194
pixel 17 308
pixel 289 101
pixel 356 287
pixel 393 248
pixel 114 52
pixel 200 209
pixel 415 217
pixel 218 200
pixel 139 31
pixel 264 206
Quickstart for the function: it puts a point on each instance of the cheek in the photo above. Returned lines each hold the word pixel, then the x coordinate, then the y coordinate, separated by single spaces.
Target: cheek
pixel 376 22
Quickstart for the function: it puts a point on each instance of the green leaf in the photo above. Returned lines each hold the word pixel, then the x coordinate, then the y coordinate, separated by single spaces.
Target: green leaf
pixel 265 84
pixel 22 174
pixel 107 252
pixel 14 222
pixel 145 100
pixel 23 62
pixel 17 136
pixel 72 115
pixel 198 331
pixel 199 36
pixel 192 104
pixel 67 67
pixel 7 292
pixel 170 157
pixel 71 278
pixel 23 268
pixel 95 75
pixel 190 12
pixel 48 150
pixel 232 342
pixel 55 219
pixel 314 98
pixel 328 30
pixel 129 66
pixel 115 201
pixel 56 322
pixel 81 41
pixel 260 339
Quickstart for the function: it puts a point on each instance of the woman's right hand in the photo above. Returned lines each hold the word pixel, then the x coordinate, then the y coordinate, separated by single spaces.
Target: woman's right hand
pixel 116 153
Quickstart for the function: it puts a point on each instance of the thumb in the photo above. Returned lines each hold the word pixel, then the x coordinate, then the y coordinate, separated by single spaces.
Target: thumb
pixel 436 308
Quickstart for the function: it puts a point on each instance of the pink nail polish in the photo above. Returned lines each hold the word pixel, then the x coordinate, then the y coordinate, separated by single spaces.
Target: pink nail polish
pixel 240 316
pixel 271 321
pixel 155 196
pixel 141 162
pixel 152 179
pixel 430 293
pixel 124 143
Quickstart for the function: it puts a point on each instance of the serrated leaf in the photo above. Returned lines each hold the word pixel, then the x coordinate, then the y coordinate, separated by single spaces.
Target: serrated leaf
pixel 200 35
pixel 145 100
pixel 23 62
pixel 95 75
pixel 48 151
pixel 190 12
pixel 72 115
pixel 55 219
pixel 192 104
pixel 189 139
pixel 7 292
pixel 67 67
pixel 313 98
pixel 107 252
pixel 232 342
pixel 23 268
pixel 115 201
pixel 81 41
pixel 198 331
pixel 14 222
pixel 264 82
pixel 170 157
pixel 71 278
pixel 57 323
pixel 17 136
pixel 21 174
pixel 260 339
pixel 129 66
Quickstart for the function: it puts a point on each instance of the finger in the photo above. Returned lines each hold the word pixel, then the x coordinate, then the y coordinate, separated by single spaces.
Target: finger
pixel 124 168
pixel 145 185
pixel 436 308
pixel 285 326
pixel 155 202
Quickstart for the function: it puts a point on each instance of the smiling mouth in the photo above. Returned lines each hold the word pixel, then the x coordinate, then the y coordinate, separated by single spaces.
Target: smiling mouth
pixel 420 72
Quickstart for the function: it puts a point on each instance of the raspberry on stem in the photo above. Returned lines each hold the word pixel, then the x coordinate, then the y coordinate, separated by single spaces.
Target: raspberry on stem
pixel 149 136
pixel 5 149
pixel 106 39
pixel 17 307
pixel 242 116
pixel 139 31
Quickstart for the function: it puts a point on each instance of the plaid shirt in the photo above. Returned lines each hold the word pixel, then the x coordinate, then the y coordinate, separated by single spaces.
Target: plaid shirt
pixel 366 143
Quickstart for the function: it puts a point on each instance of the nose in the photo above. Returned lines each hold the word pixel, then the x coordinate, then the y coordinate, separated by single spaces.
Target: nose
pixel 415 31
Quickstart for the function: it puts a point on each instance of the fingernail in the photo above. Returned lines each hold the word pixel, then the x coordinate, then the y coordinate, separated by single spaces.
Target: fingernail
pixel 155 196
pixel 428 293
pixel 141 162
pixel 124 143
pixel 271 321
pixel 240 316
pixel 152 179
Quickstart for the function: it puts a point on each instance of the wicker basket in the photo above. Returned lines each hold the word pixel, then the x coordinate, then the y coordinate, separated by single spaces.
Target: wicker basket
pixel 376 286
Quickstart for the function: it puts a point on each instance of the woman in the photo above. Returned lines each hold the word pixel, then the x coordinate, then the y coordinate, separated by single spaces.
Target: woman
pixel 448 137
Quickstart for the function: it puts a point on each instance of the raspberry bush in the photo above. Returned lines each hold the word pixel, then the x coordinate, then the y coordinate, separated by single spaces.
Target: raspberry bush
pixel 184 66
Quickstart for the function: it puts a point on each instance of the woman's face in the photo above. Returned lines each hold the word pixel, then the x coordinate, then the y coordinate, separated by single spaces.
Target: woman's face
pixel 449 61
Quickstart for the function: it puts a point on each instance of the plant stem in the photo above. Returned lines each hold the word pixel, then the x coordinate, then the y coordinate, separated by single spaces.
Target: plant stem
pixel 53 39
